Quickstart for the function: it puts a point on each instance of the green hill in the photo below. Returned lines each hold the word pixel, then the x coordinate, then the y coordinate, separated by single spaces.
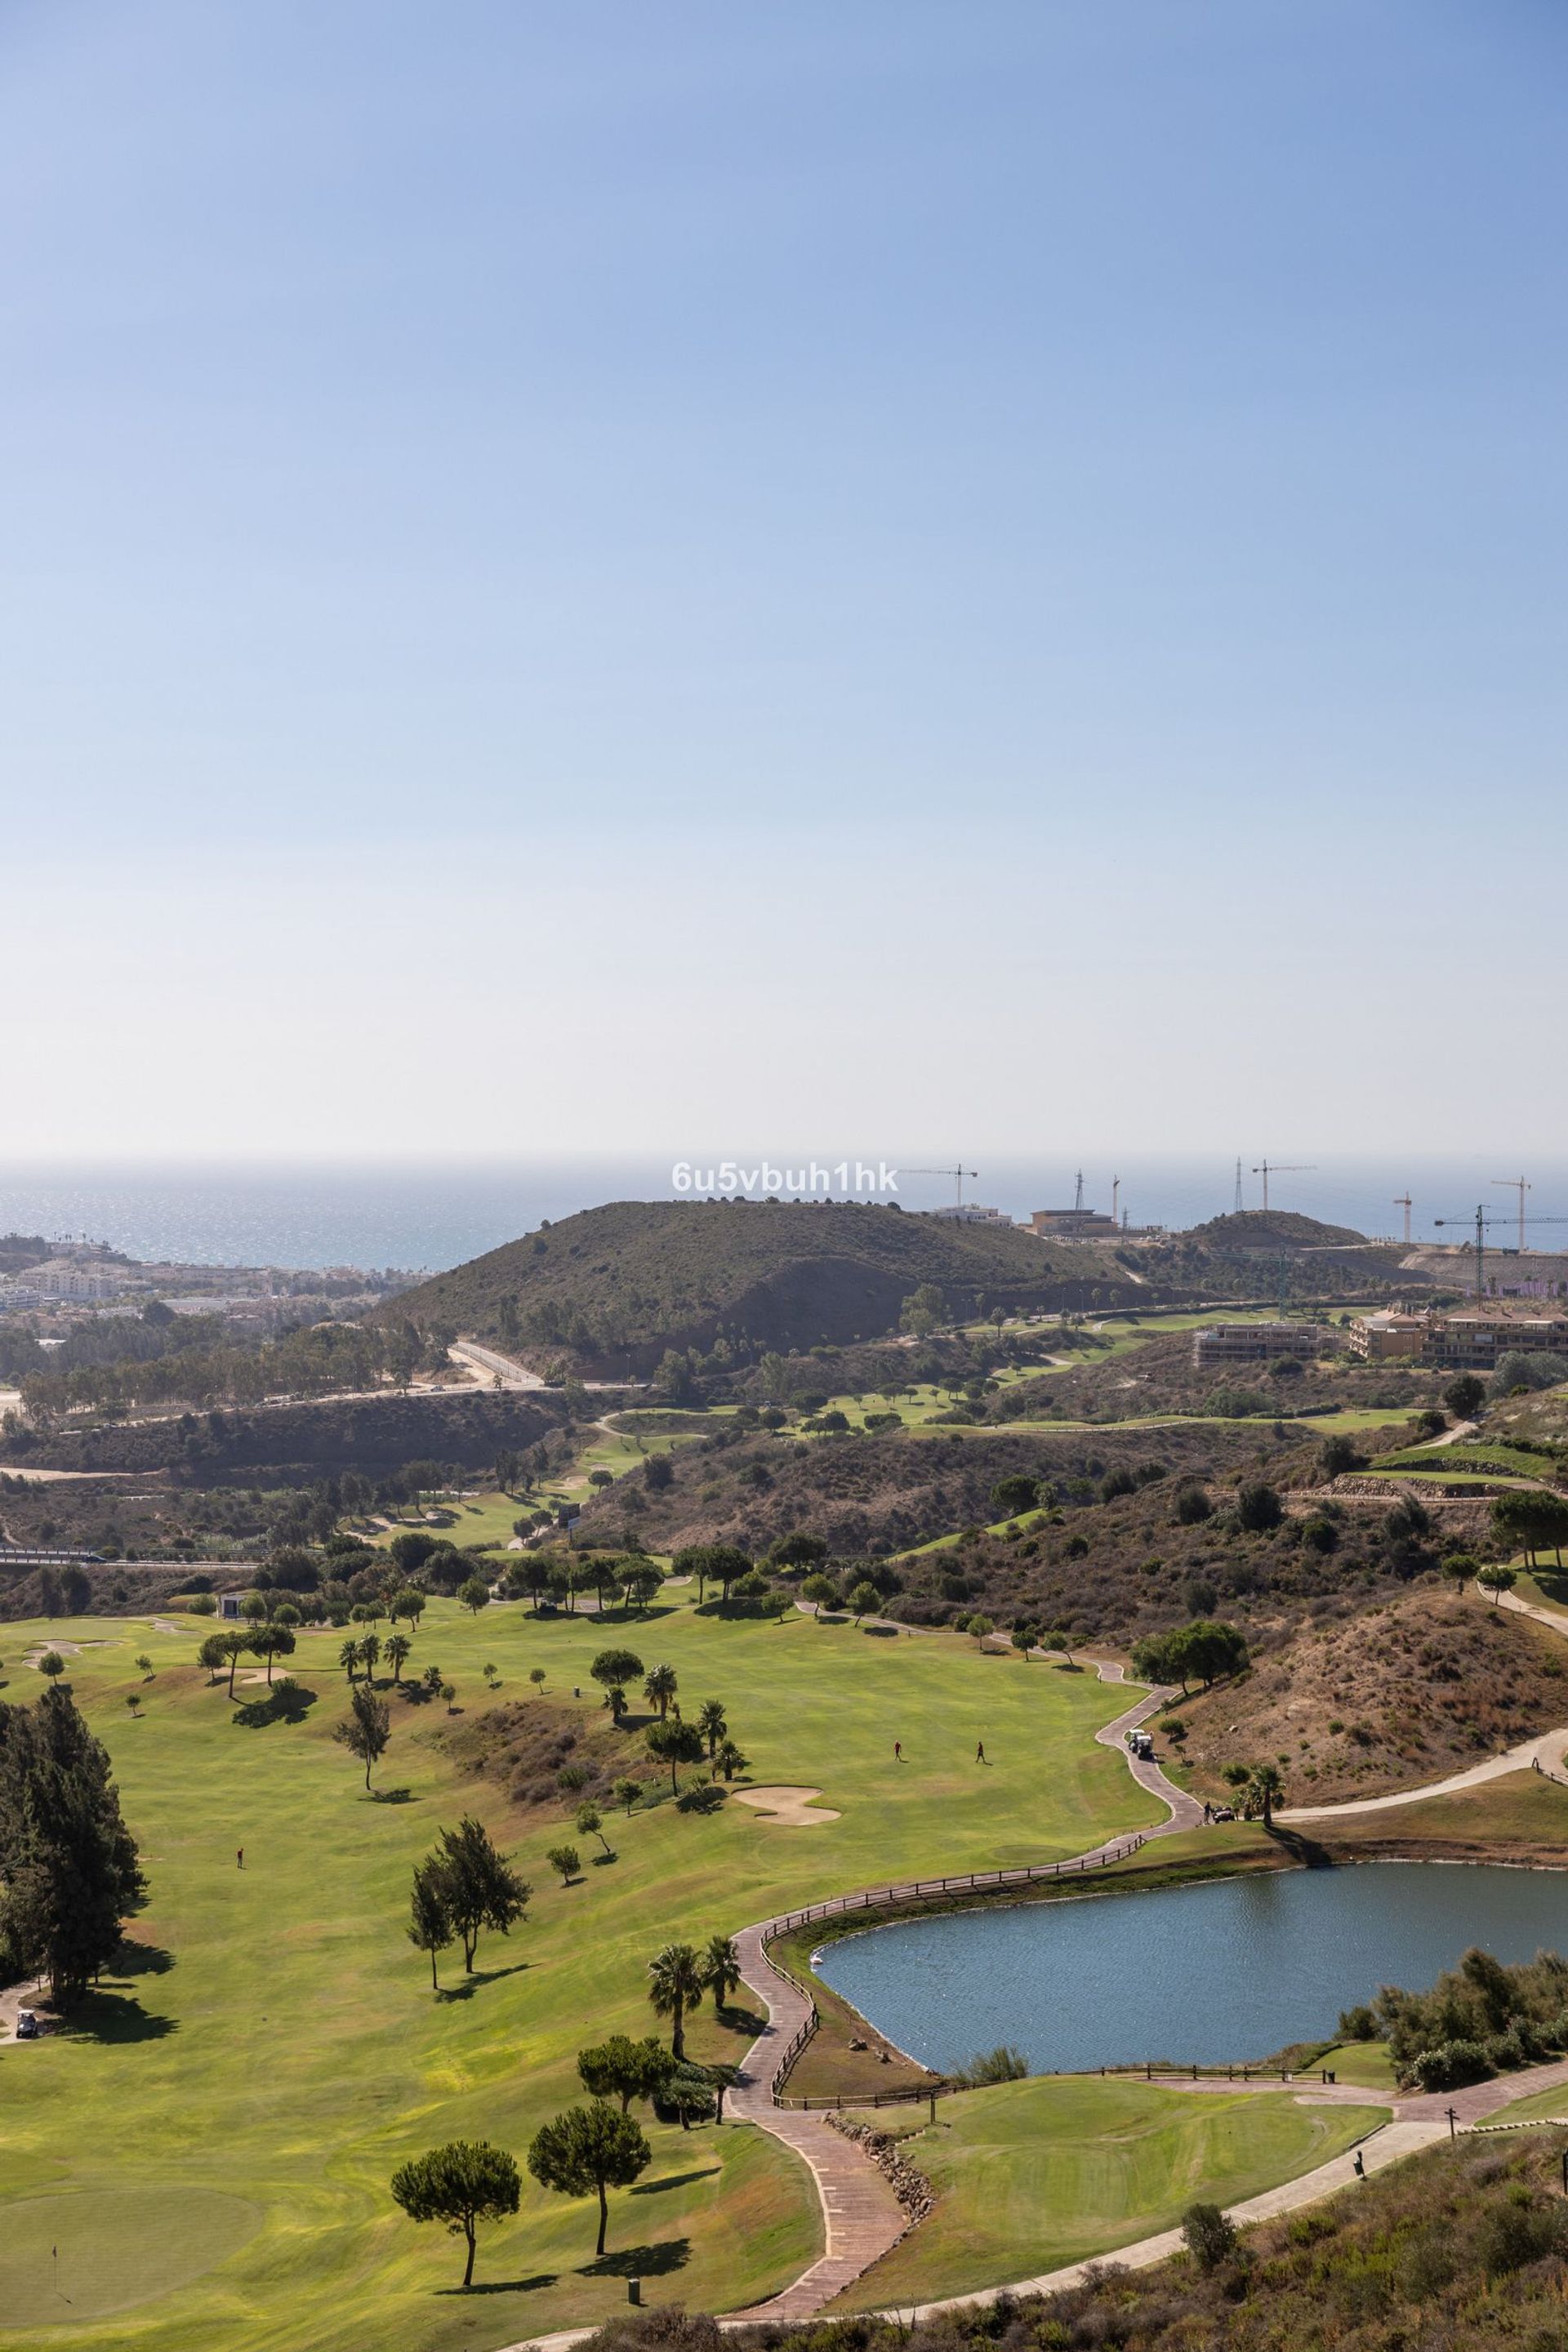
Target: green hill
pixel 614 1286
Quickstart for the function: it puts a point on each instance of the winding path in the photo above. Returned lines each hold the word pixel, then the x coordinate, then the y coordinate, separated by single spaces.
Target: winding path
pixel 862 2220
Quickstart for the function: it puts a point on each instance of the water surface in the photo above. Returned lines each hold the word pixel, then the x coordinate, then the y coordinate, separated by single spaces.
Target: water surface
pixel 1200 1974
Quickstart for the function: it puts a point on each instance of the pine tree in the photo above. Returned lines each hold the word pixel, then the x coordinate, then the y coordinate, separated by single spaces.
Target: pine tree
pixel 68 1869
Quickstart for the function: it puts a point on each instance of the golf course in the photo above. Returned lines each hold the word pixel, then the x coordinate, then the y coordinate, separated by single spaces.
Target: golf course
pixel 203 2154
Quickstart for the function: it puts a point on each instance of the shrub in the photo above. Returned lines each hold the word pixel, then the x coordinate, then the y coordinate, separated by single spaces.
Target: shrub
pixel 1257 1506
pixel 1003 2064
pixel 1209 2235
pixel 1449 2065
pixel 1192 1504
pixel 1515 2233
pixel 1336 1455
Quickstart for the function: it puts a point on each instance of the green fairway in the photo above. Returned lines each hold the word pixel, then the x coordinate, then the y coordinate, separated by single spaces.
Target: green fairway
pixel 277 2042
pixel 1031 2176
pixel 1367 2064
pixel 1541 2107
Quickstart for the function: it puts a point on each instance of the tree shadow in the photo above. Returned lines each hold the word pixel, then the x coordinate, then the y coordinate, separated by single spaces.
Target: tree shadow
pixel 470 1985
pixel 502 2286
pixel 1303 1851
pixel 641 2261
pixel 275 1707
pixel 880 1633
pixel 113 2016
pixel 392 1797
pixel 676 2180
pixel 599 1860
pixel 141 1961
pixel 705 1799
pixel 745 2022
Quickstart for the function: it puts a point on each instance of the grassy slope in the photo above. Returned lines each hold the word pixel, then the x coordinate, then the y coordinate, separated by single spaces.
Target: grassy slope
pixel 1037 2174
pixel 292 2052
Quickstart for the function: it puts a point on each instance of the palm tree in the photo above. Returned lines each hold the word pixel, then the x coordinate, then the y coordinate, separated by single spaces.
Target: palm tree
pixel 720 1970
pixel 675 1985
pixel 370 1650
pixel 347 1657
pixel 729 1760
pixel 1266 1783
pixel 659 1689
pixel 711 1723
pixel 398 1650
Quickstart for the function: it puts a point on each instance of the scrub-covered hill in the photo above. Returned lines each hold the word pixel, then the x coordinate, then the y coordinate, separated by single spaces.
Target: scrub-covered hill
pixel 1423 1683
pixel 612 1288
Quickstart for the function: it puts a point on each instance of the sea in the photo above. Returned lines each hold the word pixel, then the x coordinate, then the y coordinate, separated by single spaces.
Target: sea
pixel 422 1218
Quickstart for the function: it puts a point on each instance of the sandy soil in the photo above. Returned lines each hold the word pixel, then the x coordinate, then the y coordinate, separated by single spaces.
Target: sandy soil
pixel 792 1807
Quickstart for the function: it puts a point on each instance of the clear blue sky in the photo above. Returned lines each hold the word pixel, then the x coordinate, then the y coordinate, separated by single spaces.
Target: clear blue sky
pixel 828 576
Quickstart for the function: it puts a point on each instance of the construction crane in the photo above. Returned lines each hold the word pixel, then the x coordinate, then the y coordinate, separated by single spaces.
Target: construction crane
pixel 958 1175
pixel 1267 1168
pixel 1115 1196
pixel 1483 1218
pixel 1403 1200
pixel 1516 1184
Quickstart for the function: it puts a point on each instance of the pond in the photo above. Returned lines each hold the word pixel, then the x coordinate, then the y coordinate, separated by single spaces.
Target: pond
pixel 1193 1974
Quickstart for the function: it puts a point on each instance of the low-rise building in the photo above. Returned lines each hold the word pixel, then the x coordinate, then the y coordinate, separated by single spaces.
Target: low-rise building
pixel 62 1277
pixel 1460 1338
pixel 1388 1337
pixel 1073 1224
pixel 970 1213
pixel 1256 1343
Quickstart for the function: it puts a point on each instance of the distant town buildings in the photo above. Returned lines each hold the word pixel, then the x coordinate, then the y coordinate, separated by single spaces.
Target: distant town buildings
pixel 970 1213
pixel 66 1278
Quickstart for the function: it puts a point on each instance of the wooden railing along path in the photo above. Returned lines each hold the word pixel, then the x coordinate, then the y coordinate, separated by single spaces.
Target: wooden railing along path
pixel 882 1898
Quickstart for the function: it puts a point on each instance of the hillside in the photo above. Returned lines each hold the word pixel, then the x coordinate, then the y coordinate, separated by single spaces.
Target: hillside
pixel 610 1289
pixel 1254 1250
pixel 1427 1684
pixel 864 1495
pixel 289 1445
pixel 1108 1564
pixel 1160 1376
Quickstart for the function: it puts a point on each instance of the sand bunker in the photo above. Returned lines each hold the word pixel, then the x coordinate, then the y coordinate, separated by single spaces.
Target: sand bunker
pixel 793 1807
